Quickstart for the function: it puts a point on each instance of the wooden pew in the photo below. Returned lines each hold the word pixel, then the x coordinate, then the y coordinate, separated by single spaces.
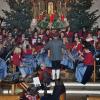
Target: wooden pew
pixel 93 98
pixel 9 97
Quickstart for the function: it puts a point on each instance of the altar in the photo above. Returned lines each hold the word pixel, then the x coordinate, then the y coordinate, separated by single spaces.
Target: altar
pixel 49 6
pixel 49 14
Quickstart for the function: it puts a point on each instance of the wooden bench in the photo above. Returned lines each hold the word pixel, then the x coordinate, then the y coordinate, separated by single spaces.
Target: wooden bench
pixel 13 87
pixel 9 97
pixel 63 96
pixel 93 98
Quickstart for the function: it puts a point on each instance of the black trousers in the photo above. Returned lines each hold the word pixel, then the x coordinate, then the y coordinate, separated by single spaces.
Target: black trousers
pixel 87 74
pixel 56 64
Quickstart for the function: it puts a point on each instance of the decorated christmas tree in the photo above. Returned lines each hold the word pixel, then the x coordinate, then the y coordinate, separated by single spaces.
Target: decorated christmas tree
pixel 79 14
pixel 20 15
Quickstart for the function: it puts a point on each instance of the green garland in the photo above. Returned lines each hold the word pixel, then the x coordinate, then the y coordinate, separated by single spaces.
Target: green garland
pixel 57 24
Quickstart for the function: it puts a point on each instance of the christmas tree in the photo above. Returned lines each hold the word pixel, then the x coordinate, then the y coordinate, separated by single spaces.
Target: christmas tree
pixel 20 15
pixel 79 15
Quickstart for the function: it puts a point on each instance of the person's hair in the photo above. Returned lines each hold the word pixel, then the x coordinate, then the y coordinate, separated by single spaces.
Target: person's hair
pixel 27 46
pixel 73 37
pixel 39 38
pixel 86 44
pixel 17 50
pixel 56 34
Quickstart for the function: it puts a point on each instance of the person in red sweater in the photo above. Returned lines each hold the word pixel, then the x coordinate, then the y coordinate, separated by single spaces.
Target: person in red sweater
pixel 34 38
pixel 20 38
pixel 67 44
pixel 98 40
pixel 89 62
pixel 85 69
pixel 77 45
pixel 28 50
pixel 90 39
pixel 69 34
pixel 47 35
pixel 16 57
pixel 38 45
pixel 88 58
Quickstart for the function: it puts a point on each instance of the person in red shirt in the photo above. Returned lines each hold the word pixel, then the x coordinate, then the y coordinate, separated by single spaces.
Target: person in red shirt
pixel 67 43
pixel 90 38
pixel 88 58
pixel 34 38
pixel 16 57
pixel 98 44
pixel 41 33
pixel 38 45
pixel 78 45
pixel 42 71
pixel 98 40
pixel 28 50
pixel 69 34
pixel 88 62
pixel 47 35
pixel 61 35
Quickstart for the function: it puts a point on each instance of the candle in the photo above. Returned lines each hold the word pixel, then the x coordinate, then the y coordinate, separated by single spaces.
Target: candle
pixel 60 4
pixel 52 18
pixel 62 17
pixel 39 6
pixel 65 5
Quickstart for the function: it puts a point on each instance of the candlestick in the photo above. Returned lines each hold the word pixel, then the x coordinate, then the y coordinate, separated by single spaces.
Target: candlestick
pixel 60 4
pixel 39 7
pixel 65 5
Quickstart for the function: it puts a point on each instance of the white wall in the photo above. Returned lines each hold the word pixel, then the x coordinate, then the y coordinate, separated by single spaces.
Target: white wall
pixel 3 5
pixel 95 6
